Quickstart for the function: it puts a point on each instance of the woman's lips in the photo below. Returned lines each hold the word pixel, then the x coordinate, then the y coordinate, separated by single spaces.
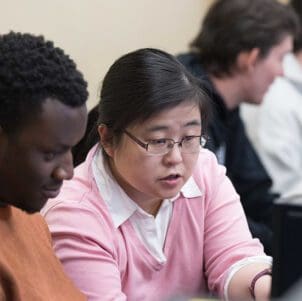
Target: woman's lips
pixel 172 176
pixel 171 180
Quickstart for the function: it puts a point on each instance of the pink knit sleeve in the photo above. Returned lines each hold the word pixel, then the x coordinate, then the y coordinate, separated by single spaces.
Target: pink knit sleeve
pixel 83 245
pixel 227 237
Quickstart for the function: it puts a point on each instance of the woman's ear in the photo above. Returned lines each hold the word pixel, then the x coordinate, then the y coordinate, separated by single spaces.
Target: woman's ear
pixel 247 60
pixel 106 138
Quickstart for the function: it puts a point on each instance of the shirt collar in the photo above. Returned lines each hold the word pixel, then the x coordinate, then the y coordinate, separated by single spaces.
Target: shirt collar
pixel 120 206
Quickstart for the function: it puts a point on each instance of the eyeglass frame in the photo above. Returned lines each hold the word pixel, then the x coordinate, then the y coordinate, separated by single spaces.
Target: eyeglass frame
pixel 202 138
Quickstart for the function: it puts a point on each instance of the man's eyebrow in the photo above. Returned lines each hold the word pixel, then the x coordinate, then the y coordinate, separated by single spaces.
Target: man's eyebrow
pixel 63 146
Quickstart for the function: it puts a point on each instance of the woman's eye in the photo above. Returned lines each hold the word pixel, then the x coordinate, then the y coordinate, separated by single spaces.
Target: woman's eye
pixel 188 138
pixel 158 141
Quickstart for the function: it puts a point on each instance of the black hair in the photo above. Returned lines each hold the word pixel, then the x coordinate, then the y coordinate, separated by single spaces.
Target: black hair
pixel 32 70
pixel 80 150
pixel 297 7
pixel 141 84
pixel 233 26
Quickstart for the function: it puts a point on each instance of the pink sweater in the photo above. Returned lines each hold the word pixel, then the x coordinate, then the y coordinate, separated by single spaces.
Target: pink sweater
pixel 206 236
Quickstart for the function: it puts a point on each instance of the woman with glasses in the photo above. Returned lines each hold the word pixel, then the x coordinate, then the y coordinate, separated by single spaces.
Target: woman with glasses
pixel 150 214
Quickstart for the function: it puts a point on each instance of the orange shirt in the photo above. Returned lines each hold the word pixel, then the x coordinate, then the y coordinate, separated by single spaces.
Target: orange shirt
pixel 29 270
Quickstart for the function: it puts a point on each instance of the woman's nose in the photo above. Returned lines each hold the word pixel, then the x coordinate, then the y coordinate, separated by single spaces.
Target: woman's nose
pixel 174 155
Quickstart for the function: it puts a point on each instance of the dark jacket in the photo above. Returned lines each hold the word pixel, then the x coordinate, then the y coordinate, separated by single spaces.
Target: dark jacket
pixel 228 140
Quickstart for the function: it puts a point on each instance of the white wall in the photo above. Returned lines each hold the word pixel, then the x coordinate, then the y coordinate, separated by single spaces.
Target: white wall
pixel 96 32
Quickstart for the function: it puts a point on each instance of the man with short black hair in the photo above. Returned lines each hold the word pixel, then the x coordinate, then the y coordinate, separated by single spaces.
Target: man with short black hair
pixel 42 115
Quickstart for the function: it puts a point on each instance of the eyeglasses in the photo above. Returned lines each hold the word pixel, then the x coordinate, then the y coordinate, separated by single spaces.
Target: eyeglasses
pixel 188 144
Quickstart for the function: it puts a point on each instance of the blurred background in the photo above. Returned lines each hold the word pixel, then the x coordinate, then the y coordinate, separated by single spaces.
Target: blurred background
pixel 96 32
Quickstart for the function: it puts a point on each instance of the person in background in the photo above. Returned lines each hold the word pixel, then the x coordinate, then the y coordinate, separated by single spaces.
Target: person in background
pixel 239 52
pixel 150 214
pixel 277 132
pixel 42 115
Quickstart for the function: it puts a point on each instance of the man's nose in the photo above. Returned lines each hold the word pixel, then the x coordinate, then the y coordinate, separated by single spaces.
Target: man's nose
pixel 64 170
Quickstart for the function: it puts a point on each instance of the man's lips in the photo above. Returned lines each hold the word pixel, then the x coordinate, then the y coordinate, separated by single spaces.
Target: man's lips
pixel 52 192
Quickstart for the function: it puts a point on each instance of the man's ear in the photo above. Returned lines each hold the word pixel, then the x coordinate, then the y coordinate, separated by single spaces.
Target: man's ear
pixel 247 60
pixel 106 139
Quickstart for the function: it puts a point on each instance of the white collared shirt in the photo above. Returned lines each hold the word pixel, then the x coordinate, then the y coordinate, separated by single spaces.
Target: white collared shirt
pixel 151 230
